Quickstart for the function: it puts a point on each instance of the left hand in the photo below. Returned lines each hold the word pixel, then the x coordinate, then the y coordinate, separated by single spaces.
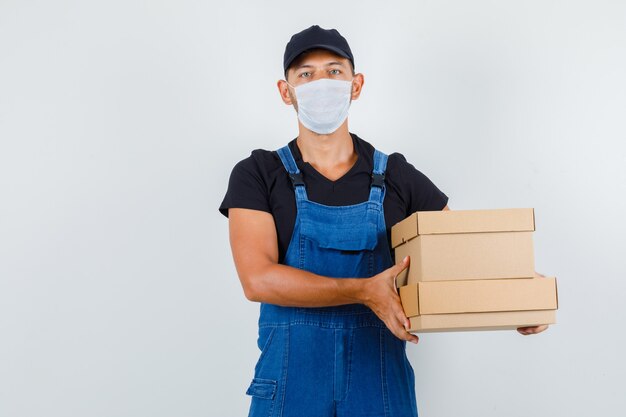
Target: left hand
pixel 533 329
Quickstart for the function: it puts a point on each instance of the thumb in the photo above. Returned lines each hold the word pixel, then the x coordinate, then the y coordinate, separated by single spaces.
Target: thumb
pixel 397 269
pixel 402 265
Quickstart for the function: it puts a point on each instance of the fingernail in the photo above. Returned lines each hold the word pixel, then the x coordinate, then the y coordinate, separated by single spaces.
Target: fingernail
pixel 405 258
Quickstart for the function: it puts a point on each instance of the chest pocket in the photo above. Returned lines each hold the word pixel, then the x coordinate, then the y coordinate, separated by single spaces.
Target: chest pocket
pixel 338 249
pixel 341 237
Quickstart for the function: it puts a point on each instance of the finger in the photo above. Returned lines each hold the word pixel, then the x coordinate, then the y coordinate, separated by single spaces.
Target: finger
pixel 402 318
pixel 412 337
pixel 397 268
pixel 401 333
pixel 409 337
pixel 400 266
pixel 532 329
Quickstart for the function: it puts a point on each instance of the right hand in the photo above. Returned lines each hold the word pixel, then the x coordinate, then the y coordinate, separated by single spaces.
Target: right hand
pixel 382 298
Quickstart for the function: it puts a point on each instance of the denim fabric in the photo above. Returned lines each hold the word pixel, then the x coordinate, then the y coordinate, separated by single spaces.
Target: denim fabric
pixel 337 360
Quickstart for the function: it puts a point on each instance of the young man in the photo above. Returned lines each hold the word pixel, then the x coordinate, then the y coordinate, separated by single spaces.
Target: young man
pixel 310 235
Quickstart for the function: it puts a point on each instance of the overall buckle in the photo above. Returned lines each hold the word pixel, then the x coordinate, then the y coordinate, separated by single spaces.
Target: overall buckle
pixel 296 179
pixel 378 180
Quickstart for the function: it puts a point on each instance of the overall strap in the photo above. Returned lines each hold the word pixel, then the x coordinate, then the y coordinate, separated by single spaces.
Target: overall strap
pixel 294 173
pixel 377 188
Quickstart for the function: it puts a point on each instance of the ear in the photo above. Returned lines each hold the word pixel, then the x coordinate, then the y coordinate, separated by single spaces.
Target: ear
pixel 357 85
pixel 283 90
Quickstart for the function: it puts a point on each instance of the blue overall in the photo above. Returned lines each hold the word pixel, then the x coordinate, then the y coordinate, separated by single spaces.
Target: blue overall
pixel 334 360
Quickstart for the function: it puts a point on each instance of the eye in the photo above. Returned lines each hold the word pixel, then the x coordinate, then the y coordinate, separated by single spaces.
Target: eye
pixel 338 71
pixel 305 74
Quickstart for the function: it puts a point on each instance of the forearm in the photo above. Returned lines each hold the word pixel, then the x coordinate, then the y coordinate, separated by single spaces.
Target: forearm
pixel 288 286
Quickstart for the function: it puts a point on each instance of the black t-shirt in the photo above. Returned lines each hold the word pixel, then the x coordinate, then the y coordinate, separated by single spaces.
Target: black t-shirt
pixel 261 182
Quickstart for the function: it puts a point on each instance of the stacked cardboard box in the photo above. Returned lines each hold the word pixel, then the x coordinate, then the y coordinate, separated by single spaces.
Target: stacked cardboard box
pixel 472 270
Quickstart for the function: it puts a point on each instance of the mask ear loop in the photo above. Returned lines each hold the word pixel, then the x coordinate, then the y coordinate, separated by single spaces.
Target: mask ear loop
pixel 294 88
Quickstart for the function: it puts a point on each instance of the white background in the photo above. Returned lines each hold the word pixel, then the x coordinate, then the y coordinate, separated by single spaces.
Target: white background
pixel 120 122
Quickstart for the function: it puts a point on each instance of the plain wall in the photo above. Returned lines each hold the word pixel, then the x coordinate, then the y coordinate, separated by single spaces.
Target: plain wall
pixel 120 122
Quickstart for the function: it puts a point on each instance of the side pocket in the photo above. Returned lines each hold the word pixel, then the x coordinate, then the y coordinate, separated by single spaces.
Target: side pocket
pixel 262 392
pixel 262 388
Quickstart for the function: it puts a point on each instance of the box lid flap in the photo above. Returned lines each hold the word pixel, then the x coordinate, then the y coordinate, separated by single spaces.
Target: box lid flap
pixel 475 221
pixel 462 221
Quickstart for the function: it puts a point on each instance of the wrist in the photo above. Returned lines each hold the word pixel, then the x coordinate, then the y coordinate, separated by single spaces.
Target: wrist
pixel 357 290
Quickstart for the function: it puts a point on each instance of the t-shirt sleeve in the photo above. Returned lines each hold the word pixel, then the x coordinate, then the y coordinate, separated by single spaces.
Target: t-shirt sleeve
pixel 423 194
pixel 246 188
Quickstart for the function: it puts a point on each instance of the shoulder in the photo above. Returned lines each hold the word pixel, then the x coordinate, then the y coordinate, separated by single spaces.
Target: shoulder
pixel 251 181
pixel 259 158
pixel 260 163
pixel 416 187
pixel 400 168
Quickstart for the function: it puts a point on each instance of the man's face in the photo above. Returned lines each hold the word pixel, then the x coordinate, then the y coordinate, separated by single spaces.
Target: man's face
pixel 316 64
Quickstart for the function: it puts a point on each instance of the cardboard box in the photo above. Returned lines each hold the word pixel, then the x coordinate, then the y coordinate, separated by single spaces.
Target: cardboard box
pixel 474 296
pixel 480 304
pixel 465 244
pixel 502 320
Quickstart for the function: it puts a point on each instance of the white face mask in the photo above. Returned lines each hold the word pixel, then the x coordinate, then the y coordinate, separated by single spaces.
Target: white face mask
pixel 323 104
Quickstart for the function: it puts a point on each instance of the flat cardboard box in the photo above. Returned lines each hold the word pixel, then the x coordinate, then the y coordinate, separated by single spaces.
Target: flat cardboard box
pixel 501 320
pixel 462 221
pixel 480 304
pixel 477 296
pixel 465 244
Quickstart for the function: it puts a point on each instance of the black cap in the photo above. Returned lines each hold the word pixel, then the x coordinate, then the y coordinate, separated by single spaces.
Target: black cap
pixel 316 37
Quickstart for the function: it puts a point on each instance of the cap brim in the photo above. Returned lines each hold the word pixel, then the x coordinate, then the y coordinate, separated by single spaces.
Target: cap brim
pixel 317 45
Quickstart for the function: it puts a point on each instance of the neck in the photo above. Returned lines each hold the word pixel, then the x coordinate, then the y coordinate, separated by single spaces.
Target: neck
pixel 326 151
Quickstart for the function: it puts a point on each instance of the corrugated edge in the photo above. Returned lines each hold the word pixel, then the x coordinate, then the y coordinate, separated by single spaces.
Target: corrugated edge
pixel 456 212
pixel 556 291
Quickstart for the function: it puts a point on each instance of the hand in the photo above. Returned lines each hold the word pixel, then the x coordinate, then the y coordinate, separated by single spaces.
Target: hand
pixel 381 296
pixel 533 329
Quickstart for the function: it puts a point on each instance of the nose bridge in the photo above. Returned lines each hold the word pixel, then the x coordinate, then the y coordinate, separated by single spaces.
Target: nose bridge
pixel 319 73
pixel 295 85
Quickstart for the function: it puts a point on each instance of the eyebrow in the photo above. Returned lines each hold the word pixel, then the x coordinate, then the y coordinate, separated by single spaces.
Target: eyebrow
pixel 327 64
